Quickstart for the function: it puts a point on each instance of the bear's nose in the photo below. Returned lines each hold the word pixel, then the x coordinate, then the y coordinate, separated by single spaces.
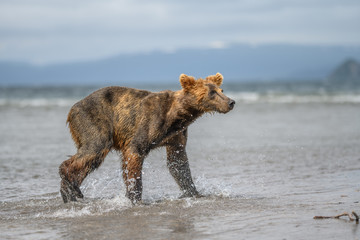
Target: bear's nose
pixel 231 104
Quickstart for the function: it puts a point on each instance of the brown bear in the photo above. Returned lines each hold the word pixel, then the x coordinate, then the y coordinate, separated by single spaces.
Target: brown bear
pixel 134 122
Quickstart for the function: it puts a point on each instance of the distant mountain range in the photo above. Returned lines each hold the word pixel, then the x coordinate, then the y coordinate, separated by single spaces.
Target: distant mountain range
pixel 238 63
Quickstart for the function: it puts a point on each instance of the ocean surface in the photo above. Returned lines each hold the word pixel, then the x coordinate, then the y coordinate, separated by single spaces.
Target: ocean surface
pixel 286 153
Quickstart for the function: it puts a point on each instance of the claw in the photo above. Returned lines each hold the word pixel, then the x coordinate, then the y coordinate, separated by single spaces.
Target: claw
pixel 192 193
pixel 70 192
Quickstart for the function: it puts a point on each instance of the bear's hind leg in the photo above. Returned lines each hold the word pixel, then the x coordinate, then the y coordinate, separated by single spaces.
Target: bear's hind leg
pixel 74 170
pixel 69 188
pixel 132 174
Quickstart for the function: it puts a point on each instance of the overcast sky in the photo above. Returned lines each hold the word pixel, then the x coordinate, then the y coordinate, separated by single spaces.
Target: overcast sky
pixel 50 31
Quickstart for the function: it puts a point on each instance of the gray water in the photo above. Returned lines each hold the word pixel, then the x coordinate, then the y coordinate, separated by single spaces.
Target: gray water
pixel 266 169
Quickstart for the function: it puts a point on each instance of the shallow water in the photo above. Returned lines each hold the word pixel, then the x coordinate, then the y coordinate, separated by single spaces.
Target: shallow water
pixel 266 169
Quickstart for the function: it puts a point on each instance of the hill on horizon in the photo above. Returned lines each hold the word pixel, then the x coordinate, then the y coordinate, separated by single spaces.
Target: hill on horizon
pixel 237 63
pixel 346 74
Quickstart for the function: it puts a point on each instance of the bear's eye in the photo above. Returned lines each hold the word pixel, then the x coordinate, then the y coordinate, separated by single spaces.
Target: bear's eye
pixel 212 92
pixel 222 90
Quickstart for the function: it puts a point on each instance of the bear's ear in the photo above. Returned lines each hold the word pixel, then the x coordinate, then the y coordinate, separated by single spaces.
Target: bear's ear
pixel 187 82
pixel 217 79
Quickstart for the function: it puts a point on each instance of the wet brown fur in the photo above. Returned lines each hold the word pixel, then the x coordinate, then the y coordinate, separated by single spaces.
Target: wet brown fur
pixel 134 122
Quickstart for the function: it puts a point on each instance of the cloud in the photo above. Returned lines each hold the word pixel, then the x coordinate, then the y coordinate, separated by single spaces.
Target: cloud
pixel 42 31
pixel 218 45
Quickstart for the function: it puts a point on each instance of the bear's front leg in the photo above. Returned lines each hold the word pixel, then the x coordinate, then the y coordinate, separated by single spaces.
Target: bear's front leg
pixel 132 175
pixel 178 164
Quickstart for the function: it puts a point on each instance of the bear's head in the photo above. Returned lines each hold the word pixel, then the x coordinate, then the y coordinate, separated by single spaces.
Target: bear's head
pixel 207 94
